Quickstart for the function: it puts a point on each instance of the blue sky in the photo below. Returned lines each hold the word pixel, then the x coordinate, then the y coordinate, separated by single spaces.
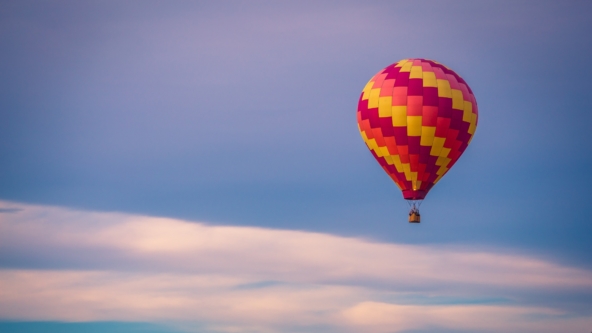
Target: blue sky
pixel 243 115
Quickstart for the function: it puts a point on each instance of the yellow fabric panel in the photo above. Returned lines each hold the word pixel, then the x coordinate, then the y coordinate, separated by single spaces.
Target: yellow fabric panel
pixel 367 89
pixel 468 111
pixel 399 114
pixel 385 106
pixel 444 152
pixel 473 125
pixel 389 160
pixel 444 88
pixel 383 151
pixel 457 99
pixel 441 171
pixel 402 62
pixel 407 171
pixel 427 135
pixel 443 163
pixel 406 67
pixel 415 72
pixel 414 176
pixel 429 79
pixel 437 179
pixel 414 125
pixel 375 147
pixel 372 144
pixel 416 184
pixel 373 99
pixel 398 164
pixel 364 136
pixel 437 146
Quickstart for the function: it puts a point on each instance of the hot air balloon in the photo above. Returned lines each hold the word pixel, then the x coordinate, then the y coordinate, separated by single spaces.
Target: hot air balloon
pixel 417 117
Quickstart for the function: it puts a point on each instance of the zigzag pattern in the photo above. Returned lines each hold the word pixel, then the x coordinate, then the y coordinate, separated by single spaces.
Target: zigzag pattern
pixel 417 117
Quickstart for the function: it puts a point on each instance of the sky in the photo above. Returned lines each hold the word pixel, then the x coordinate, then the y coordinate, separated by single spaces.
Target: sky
pixel 196 167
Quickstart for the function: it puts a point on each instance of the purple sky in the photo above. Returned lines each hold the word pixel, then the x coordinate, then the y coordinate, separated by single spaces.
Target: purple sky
pixel 243 114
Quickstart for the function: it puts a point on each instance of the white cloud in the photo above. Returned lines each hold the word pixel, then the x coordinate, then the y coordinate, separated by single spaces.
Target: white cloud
pixel 127 267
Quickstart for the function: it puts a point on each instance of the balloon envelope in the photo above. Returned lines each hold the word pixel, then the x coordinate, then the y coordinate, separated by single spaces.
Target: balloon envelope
pixel 417 117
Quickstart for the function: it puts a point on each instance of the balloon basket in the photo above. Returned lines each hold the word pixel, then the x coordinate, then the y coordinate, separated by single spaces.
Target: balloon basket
pixel 414 216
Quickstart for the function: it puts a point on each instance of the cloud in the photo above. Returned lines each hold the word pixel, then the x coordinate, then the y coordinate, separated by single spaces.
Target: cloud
pixel 382 317
pixel 62 264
